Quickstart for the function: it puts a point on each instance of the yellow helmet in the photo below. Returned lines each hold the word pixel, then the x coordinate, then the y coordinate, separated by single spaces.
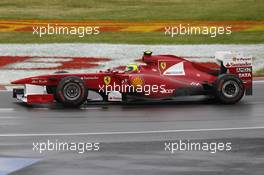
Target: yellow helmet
pixel 147 53
pixel 132 67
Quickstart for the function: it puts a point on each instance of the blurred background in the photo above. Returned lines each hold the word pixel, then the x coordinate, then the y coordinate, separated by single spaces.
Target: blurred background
pixel 126 29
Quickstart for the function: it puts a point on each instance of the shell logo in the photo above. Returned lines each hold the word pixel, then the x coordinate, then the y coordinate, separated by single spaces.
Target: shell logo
pixel 137 81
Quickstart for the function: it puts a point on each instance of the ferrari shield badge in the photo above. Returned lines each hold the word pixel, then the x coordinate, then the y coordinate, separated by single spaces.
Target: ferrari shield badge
pixel 107 80
pixel 163 65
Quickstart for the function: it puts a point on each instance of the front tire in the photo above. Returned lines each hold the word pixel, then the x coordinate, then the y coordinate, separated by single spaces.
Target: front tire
pixel 72 91
pixel 229 89
pixel 52 90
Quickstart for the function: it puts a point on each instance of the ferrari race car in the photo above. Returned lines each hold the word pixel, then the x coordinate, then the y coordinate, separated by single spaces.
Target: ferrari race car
pixel 158 77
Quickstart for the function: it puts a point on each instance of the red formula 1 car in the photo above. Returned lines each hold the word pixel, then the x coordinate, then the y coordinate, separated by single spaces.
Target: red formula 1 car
pixel 159 77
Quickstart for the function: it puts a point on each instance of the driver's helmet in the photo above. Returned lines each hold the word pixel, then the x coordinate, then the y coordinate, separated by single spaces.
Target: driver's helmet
pixel 132 67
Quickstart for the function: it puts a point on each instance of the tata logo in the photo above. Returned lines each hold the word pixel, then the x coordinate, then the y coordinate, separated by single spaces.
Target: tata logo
pixel 244 75
pixel 107 80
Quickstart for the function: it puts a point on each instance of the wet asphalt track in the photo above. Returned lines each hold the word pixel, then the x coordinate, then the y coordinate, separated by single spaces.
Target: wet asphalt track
pixel 132 136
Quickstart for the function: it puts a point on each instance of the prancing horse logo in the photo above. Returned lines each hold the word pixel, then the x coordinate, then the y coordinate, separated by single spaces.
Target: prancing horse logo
pixel 107 80
pixel 163 65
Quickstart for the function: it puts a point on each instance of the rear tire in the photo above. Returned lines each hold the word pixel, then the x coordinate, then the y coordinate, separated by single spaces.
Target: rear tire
pixel 229 89
pixel 72 91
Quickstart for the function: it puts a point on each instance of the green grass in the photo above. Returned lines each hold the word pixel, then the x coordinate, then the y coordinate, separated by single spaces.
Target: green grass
pixel 130 10
pixel 260 72
pixel 134 38
pixel 140 10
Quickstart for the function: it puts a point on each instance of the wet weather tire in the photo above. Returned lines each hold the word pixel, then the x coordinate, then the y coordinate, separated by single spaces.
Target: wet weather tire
pixel 229 89
pixel 72 91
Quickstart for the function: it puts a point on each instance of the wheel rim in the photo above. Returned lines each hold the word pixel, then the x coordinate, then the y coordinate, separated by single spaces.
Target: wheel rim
pixel 230 89
pixel 71 91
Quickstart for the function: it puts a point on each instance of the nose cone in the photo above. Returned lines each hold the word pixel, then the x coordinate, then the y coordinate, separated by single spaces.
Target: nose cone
pixel 21 81
pixel 37 80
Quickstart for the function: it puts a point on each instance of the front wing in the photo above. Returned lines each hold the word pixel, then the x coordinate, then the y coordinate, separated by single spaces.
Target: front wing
pixel 32 94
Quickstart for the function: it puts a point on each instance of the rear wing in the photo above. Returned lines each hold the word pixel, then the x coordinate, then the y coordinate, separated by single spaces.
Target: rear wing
pixel 238 64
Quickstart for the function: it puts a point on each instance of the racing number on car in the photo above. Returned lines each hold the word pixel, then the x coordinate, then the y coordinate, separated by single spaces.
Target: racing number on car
pixel 107 80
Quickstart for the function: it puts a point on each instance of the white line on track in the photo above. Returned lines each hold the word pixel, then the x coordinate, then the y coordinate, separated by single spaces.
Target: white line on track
pixel 130 132
pixel 258 81
pixel 6 109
